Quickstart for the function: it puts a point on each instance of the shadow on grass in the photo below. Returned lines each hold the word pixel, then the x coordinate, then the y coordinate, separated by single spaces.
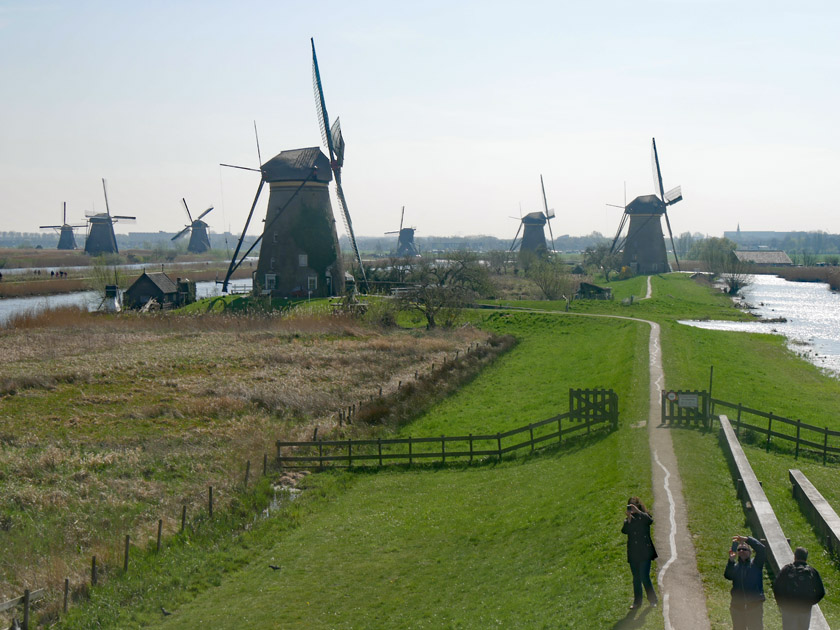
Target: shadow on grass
pixel 631 620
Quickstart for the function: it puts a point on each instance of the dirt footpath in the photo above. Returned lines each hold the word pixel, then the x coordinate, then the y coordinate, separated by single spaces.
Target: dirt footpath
pixel 681 590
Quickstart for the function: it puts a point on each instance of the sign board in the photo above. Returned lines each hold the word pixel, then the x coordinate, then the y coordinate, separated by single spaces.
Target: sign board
pixel 672 396
pixel 688 400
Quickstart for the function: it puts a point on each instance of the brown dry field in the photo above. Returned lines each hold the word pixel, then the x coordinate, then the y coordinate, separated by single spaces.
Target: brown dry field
pixel 108 423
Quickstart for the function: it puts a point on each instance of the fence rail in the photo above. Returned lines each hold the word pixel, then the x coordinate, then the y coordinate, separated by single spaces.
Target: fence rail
pixel 602 409
pixel 804 436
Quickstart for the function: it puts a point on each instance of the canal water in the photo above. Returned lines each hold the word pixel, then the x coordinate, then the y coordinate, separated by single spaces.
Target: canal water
pixel 91 299
pixel 811 311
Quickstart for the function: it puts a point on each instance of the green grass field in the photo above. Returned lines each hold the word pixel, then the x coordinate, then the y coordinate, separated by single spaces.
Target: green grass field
pixel 532 542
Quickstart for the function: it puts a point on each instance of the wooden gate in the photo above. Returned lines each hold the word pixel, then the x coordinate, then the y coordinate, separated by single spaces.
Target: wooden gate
pixel 593 404
pixel 685 407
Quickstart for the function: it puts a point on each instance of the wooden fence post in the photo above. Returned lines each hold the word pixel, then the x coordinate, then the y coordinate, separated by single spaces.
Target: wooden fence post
pixel 349 452
pixel 210 501
pixel 66 592
pixel 560 429
pixel 738 422
pixel 321 454
pixel 471 448
pixel 26 609
pixel 160 529
pixel 769 428
pixel 125 560
pixel 410 459
pixel 265 463
pixel 825 446
pixel 379 446
pixel 499 443
pixel 248 468
pixel 531 428
pixel 798 424
pixel 93 571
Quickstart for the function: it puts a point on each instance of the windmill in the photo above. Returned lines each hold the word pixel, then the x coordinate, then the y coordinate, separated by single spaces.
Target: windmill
pixel 100 236
pixel 643 247
pixel 532 226
pixel 66 239
pixel 405 239
pixel 199 240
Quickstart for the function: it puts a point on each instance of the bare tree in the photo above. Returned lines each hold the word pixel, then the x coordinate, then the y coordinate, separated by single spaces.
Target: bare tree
pixel 553 279
pixel 441 288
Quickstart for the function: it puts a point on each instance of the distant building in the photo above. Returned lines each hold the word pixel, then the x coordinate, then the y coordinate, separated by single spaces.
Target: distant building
pixel 588 291
pixel 160 288
pixel 774 258
pixel 757 238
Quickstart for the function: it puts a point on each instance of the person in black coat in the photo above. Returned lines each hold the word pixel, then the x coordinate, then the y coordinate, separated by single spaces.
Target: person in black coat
pixel 747 605
pixel 640 550
pixel 797 588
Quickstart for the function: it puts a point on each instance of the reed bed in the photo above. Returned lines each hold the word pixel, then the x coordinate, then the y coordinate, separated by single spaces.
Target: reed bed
pixel 111 422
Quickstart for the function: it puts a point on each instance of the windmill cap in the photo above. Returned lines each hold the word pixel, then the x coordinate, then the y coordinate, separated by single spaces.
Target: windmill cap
pixel 646 204
pixel 296 165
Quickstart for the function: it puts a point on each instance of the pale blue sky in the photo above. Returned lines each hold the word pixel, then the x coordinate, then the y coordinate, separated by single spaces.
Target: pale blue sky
pixel 452 109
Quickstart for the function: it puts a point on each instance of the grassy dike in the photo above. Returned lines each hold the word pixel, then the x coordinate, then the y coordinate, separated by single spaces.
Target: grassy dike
pixel 759 371
pixel 532 542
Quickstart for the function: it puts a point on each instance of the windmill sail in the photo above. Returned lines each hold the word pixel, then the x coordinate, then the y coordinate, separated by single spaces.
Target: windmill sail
pixel 336 157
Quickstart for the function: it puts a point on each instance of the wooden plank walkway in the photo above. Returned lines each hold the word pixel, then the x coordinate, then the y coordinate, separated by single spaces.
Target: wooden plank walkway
pixel 760 514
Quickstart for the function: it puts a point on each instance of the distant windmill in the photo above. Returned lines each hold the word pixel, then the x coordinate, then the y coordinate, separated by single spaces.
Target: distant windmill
pixel 199 240
pixel 100 237
pixel 643 247
pixel 66 239
pixel 532 226
pixel 405 239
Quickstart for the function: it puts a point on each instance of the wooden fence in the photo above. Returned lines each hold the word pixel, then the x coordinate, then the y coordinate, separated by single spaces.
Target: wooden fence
pixel 25 600
pixel 685 407
pixel 803 436
pixel 601 409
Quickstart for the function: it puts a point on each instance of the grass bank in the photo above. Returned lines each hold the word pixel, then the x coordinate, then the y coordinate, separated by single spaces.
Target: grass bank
pixel 759 371
pixel 531 542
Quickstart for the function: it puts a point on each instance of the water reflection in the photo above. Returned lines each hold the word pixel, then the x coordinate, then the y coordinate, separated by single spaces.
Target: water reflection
pixel 811 311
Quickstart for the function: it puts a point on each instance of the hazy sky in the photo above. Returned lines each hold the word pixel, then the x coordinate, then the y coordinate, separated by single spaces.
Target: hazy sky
pixel 452 109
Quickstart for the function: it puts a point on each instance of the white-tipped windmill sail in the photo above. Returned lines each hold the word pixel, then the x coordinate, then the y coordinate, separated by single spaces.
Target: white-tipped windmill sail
pixel 549 214
pixel 668 198
pixel 334 141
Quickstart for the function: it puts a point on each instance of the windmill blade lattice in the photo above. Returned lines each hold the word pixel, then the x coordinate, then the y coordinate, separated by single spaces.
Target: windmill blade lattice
pixel 336 158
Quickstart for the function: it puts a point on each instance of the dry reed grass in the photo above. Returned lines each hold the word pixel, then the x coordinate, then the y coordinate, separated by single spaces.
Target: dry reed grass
pixel 110 423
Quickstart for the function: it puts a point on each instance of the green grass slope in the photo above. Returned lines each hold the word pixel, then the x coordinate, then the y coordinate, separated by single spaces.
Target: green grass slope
pixel 533 542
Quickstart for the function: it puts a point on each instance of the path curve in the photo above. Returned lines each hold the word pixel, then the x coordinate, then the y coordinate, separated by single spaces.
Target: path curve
pixel 681 589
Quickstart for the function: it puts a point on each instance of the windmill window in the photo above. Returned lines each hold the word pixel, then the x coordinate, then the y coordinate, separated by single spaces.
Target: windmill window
pixel 312 283
pixel 303 260
pixel 271 263
pixel 270 281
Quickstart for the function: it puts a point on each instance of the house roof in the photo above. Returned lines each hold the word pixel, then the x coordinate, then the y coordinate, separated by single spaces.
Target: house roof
pixel 161 281
pixel 763 257
pixel 296 165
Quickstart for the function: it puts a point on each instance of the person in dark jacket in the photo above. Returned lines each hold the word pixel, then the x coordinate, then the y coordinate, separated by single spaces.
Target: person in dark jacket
pixel 640 550
pixel 797 588
pixel 747 605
